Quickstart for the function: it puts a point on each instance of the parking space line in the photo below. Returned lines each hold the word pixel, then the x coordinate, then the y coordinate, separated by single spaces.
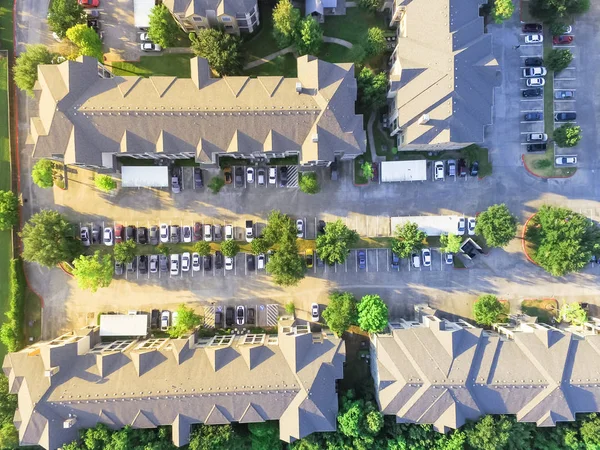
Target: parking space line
pixel 346 264
pixel 376 259
pixel 387 258
pixel 245 265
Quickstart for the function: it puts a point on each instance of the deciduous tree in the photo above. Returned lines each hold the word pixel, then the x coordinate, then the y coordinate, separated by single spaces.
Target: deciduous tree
pixel 286 23
pixel 64 14
pixel 567 135
pixel 230 248
pixel 87 41
pixel 407 239
pixel 450 243
pixel 265 435
pixel 372 313
pixel 93 272
pixel 216 184
pixel 334 245
pixel 372 88
pixel 502 10
pixel 163 29
pixel 105 183
pixel 559 59
pixel 310 37
pixel 374 42
pixel 487 309
pixel 9 210
pixel 202 248
pixel 259 245
pixel 308 183
pixel 497 225
pixel 277 224
pixel 367 170
pixel 286 265
pixel 223 51
pixel 341 312
pixel 42 173
pixel 557 10
pixel 216 437
pixel 573 313
pixel 125 252
pixel 370 5
pixel 25 70
pixel 187 320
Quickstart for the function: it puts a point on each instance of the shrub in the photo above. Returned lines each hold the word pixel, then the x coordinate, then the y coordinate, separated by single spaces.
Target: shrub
pixel 42 173
pixel 559 59
pixel 487 309
pixel 369 5
pixel 567 135
pixel 105 183
pixel 11 332
pixel 290 308
pixel 216 184
pixel 308 183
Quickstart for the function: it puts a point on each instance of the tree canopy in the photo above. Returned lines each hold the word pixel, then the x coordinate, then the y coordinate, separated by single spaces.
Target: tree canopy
pixel 230 248
pixel 334 245
pixel 374 42
pixel 370 5
pixel 450 243
pixel 265 435
pixel 487 310
pixel 573 313
pixel 93 272
pixel 163 29
pixel 561 241
pixel 340 312
pixel 372 89
pixel 286 23
pixel 43 173
pixel 259 245
pixel 105 183
pixel 9 210
pixel 497 225
pixel 367 170
pixel 87 41
pixel 372 313
pixel 310 37
pixel 567 135
pixel 559 59
pixel 502 10
pixel 286 265
pixel 64 14
pixel 223 51
pixel 25 72
pixel 48 239
pixel 277 225
pixel 187 320
pixel 202 248
pixel 308 183
pixel 557 10
pixel 125 252
pixel 407 239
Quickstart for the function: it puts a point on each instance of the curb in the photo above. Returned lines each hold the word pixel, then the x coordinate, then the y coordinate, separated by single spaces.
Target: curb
pixel 541 176
pixel 523 241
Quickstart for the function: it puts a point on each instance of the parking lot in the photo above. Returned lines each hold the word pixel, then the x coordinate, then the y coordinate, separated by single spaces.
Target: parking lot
pixel 121 37
pixel 529 104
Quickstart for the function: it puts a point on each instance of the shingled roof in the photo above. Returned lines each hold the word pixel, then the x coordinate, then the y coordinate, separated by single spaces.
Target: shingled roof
pixel 75 382
pixel 443 374
pixel 445 71
pixel 83 116
pixel 189 8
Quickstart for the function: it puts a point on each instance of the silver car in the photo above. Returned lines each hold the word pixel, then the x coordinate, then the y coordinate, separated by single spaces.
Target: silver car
pixel 153 263
pixel 85 236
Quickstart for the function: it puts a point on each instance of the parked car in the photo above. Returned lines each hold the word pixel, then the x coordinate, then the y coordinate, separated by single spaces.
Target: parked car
pixel 130 233
pixel 314 312
pixel 228 263
pixel 534 39
pixel 538 81
pixel 84 234
pixel 217 232
pixel 154 318
pixel 108 236
pixel 153 263
pixel 439 170
pixel 321 227
pixel 197 231
pixel 309 254
pixel 239 177
pixel 562 40
pixel 185 261
pixel 361 257
pixel 471 226
pixel 534 92
pixel 250 262
pixel 118 233
pixel 142 235
pixel 143 264
pixel 150 47
pixel 251 316
pixel 218 319
pixel 426 255
pixel 198 183
pixel 163 262
pixel 451 168
pixel 395 261
pixel 260 176
pixel 174 234
pixel 249 231
pixel 283 176
pixel 565 116
pixel 95 234
pixel 416 260
pixel 164 233
pixel 273 175
pixel 534 62
pixel 207 263
pixel 300 228
pixel 462 224
pixel 530 72
pixel 229 313
pixel 474 170
pixel 250 175
pixel 462 168
pixel 531 27
pixel 165 319
pixel 132 266
pixel 118 268
pixel 261 261
pixel 89 3
pixel 537 147
pixel 240 315
pixel 153 235
pixel 564 95
pixel 449 258
pixel 533 116
pixel 531 137
pixel 187 233
pixel 195 262
pixel 144 37
pixel 334 170
pixel 175 185
pixel 566 160
pixel 174 264
pixel 218 260
pixel 228 232
pixel 227 175
pixel 208 235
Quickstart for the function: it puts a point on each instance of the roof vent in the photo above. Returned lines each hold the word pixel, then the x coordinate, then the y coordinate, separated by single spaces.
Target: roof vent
pixel 298 87
pixel 68 423
pixel 51 372
pixel 423 119
pixel 315 137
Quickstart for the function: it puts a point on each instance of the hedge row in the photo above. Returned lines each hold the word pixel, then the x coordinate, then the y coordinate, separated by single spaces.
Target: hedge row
pixel 11 332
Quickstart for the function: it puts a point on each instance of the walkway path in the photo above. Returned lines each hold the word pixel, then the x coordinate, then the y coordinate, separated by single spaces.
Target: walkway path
pixel 333 40
pixel 372 146
pixel 268 58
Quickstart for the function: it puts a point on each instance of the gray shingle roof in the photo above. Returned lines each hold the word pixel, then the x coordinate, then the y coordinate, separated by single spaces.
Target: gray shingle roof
pixel 445 69
pixel 190 8
pixel 200 116
pixel 177 383
pixel 444 375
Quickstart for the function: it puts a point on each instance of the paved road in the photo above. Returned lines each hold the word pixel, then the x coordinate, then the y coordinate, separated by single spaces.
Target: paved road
pixel 504 272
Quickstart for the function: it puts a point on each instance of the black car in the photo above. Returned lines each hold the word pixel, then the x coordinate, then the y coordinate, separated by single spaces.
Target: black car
pixel 395 261
pixel 239 177
pixel 251 318
pixel 95 234
pixel 533 92
pixel 163 263
pixel 283 176
pixel 334 170
pixel 531 27
pixel 130 233
pixel 462 168
pixel 474 168
pixel 198 178
pixel 142 235
pixel 93 23
pixel 229 313
pixel 218 260
pixel 534 62
pixel 250 262
pixel 207 263
pixel 154 235
pixel 143 264
pixel 537 147
pixel 565 116
pixel 529 117
pixel 154 318
pixel 321 227
pixel 218 319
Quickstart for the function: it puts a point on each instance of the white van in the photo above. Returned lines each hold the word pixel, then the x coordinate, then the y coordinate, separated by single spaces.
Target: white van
pixel 261 261
pixel 416 260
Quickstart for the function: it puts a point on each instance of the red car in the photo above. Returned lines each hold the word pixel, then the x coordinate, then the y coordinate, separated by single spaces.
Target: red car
pixel 562 40
pixel 89 3
pixel 118 233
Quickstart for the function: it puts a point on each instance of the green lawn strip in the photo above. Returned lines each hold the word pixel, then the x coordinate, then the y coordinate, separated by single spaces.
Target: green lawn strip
pixel 261 43
pixel 6 24
pixel 539 309
pixel 353 26
pixel 174 64
pixel 335 53
pixel 458 264
pixel 284 65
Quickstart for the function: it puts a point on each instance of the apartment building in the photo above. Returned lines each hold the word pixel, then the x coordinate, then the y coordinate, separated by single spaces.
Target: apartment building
pixel 234 16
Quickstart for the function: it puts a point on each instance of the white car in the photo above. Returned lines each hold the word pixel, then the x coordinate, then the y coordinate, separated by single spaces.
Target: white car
pixel 471 226
pixel 314 312
pixel 250 175
pixel 85 236
pixel 260 261
pixel 108 236
pixel 530 72
pixel 145 38
pixel 542 137
pixel 174 264
pixel 462 224
pixel 174 317
pixel 439 170
pixel 566 160
pixel 153 263
pixel 150 47
pixel 208 235
pixel 195 262
pixel 533 82
pixel 534 39
pixel 187 233
pixel 449 258
pixel 240 315
pixel 185 262
pixel 249 231
pixel 300 228
pixel 228 263
pixel 426 255
pixel 228 232
pixel 165 318
pixel 273 175
pixel 164 233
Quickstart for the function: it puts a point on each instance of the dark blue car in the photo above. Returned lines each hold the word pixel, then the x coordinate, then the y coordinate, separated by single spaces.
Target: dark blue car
pixel 362 260
pixel 395 261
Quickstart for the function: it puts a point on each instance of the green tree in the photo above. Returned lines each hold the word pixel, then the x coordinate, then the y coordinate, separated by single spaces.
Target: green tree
pixel 557 28
pixel 308 183
pixel 334 245
pixel 223 51
pixel 286 266
pixel 559 59
pixel 310 37
pixel 561 241
pixel 370 5
pixel 125 252
pixel 567 135
pixel 216 184
pixel 163 29
pixel 290 308
pixel 9 210
pixel 105 183
pixel 187 320
pixel 372 89
pixel 48 239
pixel 499 432
pixel 573 313
pixel 502 10
pixel 42 173
pixel 87 41
pixel 551 11
pixel 372 314
pixel 216 437
pixel 278 224
pixel 497 225
pixel 487 309
pixel 341 312
pixel 202 248
pixel 590 432
pixel 259 245
pixel 265 435
pixel 9 436
pixel 230 248
pixel 286 23
pixel 374 42
pixel 163 249
pixel 450 243
pixel 367 170
pixel 25 73
pixel 64 14
pixel 93 272
pixel 407 239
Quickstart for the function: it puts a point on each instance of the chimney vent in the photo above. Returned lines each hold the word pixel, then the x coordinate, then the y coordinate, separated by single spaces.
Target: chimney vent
pixel 315 137
pixel 298 87
pixel 423 119
pixel 51 372
pixel 68 423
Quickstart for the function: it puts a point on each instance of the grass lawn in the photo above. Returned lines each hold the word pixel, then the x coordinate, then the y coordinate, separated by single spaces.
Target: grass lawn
pixel 6 24
pixel 284 65
pixel 335 53
pixel 544 309
pixel 175 64
pixel 354 25
pixel 5 236
pixel 262 43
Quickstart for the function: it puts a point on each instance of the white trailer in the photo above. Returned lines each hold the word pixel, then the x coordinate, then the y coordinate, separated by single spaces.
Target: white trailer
pixel 141 13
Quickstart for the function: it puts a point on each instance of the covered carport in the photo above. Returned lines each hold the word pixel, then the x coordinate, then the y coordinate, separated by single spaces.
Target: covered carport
pixel 145 176
pixel 114 325
pixel 392 171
